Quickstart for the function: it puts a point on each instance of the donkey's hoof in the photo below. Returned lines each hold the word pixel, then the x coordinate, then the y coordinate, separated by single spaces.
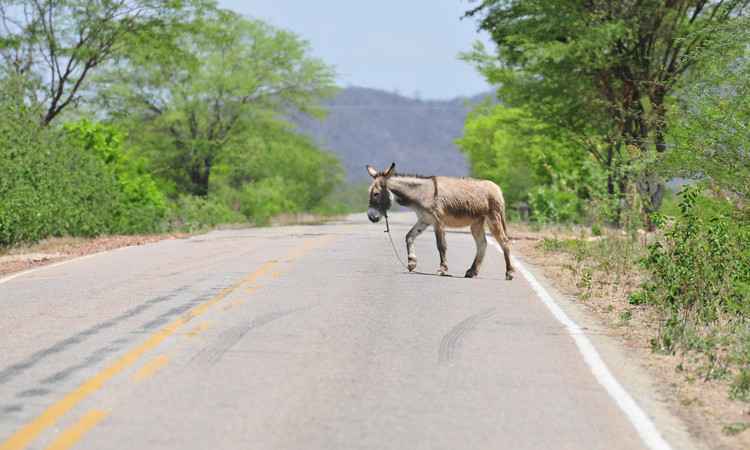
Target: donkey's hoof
pixel 412 265
pixel 471 273
pixel 508 276
pixel 443 271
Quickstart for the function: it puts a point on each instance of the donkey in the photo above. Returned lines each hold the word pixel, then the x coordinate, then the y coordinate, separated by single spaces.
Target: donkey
pixel 443 202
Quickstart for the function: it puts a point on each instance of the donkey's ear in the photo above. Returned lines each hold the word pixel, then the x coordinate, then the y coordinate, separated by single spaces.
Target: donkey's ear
pixel 371 170
pixel 391 170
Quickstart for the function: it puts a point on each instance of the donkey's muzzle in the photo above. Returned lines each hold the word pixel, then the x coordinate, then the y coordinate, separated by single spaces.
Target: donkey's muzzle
pixel 374 215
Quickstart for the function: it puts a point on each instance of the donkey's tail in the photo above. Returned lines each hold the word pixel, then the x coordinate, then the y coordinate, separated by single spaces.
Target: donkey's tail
pixel 502 220
pixel 501 228
pixel 498 227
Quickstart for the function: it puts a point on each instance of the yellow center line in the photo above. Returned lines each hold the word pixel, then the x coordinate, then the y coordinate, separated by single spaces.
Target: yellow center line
pixel 150 368
pixel 69 437
pixel 200 328
pixel 52 414
pixel 252 289
pixel 26 434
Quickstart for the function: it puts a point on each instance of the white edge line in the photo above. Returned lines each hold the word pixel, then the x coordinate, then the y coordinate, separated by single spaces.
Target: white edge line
pixel 79 258
pixel 46 266
pixel 60 263
pixel 640 420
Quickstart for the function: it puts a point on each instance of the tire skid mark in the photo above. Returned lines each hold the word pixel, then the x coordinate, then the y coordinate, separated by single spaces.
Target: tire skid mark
pixel 10 372
pixel 43 387
pixel 101 354
pixel 228 339
pixel 451 342
pixel 50 416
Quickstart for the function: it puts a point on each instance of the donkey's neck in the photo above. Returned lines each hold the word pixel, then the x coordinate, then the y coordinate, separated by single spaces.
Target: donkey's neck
pixel 412 191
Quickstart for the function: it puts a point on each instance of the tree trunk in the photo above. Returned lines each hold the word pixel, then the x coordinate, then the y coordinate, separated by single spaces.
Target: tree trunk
pixel 612 191
pixel 660 117
pixel 654 188
pixel 199 177
pixel 651 190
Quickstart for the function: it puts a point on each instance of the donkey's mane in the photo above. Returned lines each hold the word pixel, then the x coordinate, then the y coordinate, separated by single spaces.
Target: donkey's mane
pixel 413 175
pixel 424 177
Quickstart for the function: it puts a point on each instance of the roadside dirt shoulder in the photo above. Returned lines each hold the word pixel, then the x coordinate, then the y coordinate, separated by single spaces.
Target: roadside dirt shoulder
pixel 54 250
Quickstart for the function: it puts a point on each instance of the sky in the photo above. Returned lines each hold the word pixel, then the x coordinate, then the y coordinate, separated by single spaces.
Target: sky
pixel 407 46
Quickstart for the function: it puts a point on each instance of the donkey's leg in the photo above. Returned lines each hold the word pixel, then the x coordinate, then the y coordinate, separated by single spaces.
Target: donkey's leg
pixel 442 246
pixel 415 231
pixel 499 231
pixel 477 230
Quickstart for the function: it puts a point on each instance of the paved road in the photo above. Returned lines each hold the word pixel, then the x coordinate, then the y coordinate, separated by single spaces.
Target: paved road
pixel 293 338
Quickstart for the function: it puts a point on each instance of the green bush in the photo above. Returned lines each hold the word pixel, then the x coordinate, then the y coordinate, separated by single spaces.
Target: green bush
pixel 191 213
pixel 700 281
pixel 550 204
pixel 48 187
pixel 275 172
pixel 346 198
pixel 141 205
pixel 701 269
pixel 268 197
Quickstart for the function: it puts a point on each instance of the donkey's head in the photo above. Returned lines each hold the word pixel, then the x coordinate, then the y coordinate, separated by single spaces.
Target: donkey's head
pixel 380 197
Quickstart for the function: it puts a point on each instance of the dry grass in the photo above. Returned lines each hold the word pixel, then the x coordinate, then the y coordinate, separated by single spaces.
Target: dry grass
pixel 602 284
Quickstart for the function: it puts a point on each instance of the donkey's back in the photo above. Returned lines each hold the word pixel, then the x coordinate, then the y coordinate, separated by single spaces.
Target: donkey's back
pixel 461 201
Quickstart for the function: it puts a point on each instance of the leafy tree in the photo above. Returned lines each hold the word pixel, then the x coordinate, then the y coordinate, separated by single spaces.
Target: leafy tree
pixel 232 76
pixel 309 174
pixel 710 132
pixel 610 63
pixel 532 162
pixel 60 43
pixel 699 264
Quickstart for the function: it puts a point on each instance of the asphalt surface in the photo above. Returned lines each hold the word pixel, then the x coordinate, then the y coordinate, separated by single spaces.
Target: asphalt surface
pixel 297 338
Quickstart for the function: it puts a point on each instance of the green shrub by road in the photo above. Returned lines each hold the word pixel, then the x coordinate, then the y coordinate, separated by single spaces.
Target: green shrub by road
pixel 48 186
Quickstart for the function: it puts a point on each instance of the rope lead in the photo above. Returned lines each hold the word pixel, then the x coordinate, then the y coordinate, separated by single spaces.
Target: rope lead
pixel 393 245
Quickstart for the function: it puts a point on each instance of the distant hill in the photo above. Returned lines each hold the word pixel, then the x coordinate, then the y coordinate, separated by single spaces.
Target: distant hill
pixel 369 126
